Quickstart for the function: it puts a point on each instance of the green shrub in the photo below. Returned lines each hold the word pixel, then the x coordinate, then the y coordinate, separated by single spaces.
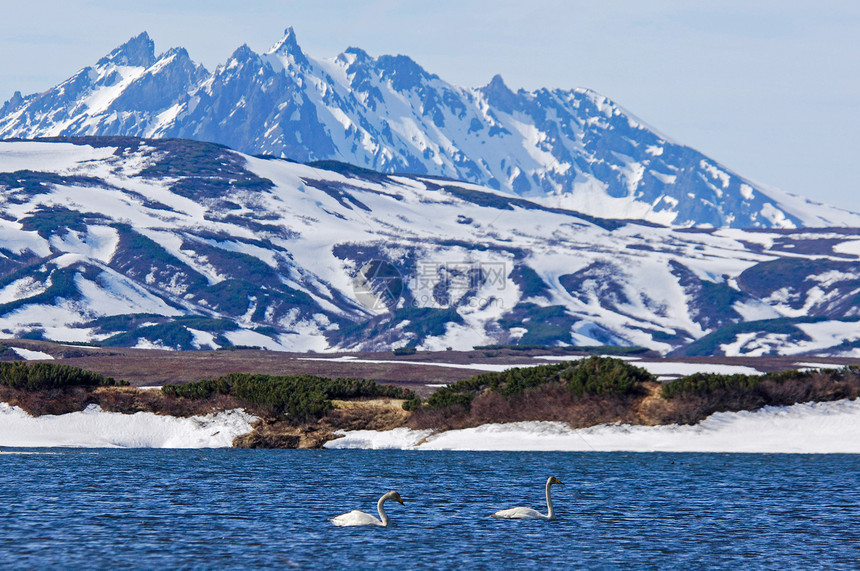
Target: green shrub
pixel 41 376
pixel 701 383
pixel 299 398
pixel 592 376
pixel 413 403
pixel 446 397
pixel 199 390
pixel 604 376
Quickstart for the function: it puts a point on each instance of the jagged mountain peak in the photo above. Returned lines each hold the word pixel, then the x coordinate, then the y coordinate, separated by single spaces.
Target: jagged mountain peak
pixel 14 102
pixel 177 52
pixel 241 54
pixel 497 83
pixel 357 53
pixel 288 42
pixel 499 95
pixel 403 72
pixel 288 48
pixel 139 51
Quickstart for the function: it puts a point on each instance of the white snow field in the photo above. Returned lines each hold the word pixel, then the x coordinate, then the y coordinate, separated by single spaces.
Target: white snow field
pixel 813 428
pixel 667 369
pixel 470 366
pixel 95 428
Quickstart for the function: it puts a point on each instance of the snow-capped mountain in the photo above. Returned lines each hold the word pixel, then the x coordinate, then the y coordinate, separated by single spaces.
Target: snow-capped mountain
pixel 183 244
pixel 572 149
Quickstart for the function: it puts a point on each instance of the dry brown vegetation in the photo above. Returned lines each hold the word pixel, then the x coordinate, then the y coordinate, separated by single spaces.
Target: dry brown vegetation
pixel 776 389
pixel 552 402
pixel 364 414
pixel 547 402
pixel 55 401
pixel 126 400
pixel 370 414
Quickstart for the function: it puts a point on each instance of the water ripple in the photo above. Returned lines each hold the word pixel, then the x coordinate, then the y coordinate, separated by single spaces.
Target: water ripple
pixel 144 509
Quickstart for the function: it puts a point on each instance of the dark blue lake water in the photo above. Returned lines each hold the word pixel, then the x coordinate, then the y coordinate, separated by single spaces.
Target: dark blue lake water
pixel 251 509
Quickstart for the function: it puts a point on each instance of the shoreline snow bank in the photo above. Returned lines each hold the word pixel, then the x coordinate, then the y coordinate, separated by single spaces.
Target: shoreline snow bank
pixel 832 427
pixel 95 428
pixel 814 428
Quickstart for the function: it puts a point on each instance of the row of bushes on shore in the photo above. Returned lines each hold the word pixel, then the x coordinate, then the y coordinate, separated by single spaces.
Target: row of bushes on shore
pixel 49 388
pixel 597 376
pixel 583 393
pixel 604 390
pixel 699 395
pixel 297 398
pixel 714 383
pixel 43 376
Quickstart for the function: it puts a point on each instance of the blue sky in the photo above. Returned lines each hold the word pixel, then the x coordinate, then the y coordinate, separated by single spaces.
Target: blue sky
pixel 769 88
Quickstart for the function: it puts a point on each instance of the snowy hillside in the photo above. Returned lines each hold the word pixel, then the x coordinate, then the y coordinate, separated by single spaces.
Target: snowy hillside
pixel 572 149
pixel 181 244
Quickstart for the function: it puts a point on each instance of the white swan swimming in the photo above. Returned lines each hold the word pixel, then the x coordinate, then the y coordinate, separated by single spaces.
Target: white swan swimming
pixel 528 513
pixel 356 517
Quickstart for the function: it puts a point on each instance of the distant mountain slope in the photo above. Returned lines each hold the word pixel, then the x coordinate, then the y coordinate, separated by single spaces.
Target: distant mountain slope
pixel 183 244
pixel 573 149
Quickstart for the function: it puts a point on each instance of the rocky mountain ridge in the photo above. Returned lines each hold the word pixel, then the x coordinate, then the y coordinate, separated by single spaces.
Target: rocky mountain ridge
pixel 566 148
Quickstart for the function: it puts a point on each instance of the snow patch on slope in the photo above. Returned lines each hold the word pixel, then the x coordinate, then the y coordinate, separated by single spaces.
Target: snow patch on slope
pixel 62 158
pixel 30 355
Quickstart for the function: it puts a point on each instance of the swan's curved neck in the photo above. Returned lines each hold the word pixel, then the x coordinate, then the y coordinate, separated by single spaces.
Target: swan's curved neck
pixel 381 509
pixel 551 512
